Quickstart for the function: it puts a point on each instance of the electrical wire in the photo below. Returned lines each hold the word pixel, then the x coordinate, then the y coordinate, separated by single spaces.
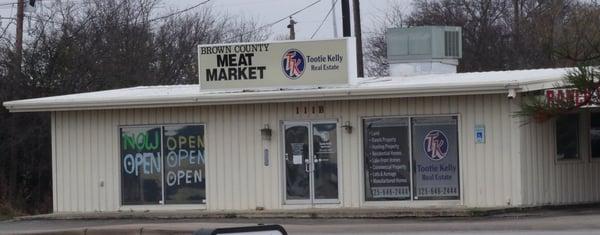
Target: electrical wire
pixel 179 12
pixel 324 19
pixel 25 2
pixel 273 23
pixel 8 4
pixel 235 36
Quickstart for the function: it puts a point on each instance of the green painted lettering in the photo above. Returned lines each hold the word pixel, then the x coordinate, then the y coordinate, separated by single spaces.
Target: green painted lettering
pixel 140 142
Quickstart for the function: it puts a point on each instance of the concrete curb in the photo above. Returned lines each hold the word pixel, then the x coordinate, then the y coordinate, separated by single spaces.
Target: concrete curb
pixel 294 214
pixel 337 213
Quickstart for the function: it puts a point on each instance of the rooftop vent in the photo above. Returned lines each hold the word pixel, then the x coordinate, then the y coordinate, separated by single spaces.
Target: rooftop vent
pixel 423 50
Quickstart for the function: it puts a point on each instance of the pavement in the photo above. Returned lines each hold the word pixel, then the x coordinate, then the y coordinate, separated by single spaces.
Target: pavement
pixel 571 220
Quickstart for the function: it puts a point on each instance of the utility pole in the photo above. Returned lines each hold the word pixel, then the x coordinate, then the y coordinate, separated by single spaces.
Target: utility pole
pixel 346 18
pixel 334 19
pixel 358 34
pixel 19 39
pixel 292 29
pixel 12 126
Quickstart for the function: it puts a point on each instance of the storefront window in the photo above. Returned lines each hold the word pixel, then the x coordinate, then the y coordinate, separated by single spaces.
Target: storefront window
pixel 567 137
pixel 386 159
pixel 435 158
pixel 162 165
pixel 595 135
pixel 425 148
pixel 141 170
pixel 183 148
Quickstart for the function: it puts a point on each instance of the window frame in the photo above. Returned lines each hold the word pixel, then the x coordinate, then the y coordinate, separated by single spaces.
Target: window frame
pixel 580 154
pixel 410 160
pixel 412 201
pixel 120 162
pixel 162 204
pixel 588 129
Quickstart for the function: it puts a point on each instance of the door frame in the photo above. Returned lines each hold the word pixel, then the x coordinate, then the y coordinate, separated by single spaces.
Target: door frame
pixel 309 123
pixel 283 165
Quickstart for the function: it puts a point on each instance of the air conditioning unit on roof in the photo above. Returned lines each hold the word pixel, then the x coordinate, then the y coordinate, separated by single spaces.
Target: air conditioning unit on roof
pixel 423 50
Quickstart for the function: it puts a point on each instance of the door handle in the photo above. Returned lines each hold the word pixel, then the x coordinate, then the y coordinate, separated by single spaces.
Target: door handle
pixel 307 166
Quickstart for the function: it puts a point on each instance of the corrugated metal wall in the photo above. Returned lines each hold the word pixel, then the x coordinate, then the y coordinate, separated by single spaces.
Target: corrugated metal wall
pixel 550 181
pixel 86 150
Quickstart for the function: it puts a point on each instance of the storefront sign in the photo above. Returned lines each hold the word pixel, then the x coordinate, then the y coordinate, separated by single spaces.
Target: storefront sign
pixel 480 134
pixel 571 95
pixel 276 64
pixel 387 156
pixel 435 157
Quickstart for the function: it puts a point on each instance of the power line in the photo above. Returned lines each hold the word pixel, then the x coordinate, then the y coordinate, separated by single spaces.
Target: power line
pixel 179 12
pixel 151 20
pixel 206 1
pixel 8 4
pixel 277 21
pixel 296 12
pixel 324 19
pixel 15 3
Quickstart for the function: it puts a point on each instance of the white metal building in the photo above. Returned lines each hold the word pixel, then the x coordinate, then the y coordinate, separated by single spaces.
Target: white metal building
pixel 425 140
pixel 517 164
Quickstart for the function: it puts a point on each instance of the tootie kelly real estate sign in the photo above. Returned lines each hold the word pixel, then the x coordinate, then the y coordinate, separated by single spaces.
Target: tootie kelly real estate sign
pixel 276 64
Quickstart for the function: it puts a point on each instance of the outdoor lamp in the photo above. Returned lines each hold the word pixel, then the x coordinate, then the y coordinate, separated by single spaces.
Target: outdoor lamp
pixel 348 127
pixel 265 132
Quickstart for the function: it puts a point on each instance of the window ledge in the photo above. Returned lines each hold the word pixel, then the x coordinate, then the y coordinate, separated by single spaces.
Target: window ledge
pixel 570 161
pixel 163 207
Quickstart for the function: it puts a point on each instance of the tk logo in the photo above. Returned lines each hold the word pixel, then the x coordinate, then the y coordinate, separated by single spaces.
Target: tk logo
pixel 435 145
pixel 293 64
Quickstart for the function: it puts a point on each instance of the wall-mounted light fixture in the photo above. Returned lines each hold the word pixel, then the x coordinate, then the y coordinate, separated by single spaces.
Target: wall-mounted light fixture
pixel 347 126
pixel 266 132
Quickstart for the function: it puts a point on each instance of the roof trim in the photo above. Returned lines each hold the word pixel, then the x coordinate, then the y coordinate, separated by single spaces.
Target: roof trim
pixel 464 84
pixel 262 97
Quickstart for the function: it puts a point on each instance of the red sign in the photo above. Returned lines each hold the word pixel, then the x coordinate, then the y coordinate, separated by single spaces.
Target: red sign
pixel 571 95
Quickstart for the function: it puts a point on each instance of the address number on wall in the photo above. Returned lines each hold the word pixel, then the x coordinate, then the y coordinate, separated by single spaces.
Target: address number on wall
pixel 317 109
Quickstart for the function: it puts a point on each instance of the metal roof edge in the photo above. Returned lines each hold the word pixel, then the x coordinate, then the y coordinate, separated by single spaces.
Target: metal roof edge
pixel 370 89
pixel 261 97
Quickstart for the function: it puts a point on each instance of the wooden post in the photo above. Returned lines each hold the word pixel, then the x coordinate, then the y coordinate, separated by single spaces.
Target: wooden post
pixel 19 39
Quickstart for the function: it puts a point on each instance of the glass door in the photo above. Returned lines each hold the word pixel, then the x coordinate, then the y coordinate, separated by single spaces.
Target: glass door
pixel 324 161
pixel 310 162
pixel 297 159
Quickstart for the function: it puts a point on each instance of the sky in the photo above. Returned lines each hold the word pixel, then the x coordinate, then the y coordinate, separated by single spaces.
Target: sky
pixel 268 11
